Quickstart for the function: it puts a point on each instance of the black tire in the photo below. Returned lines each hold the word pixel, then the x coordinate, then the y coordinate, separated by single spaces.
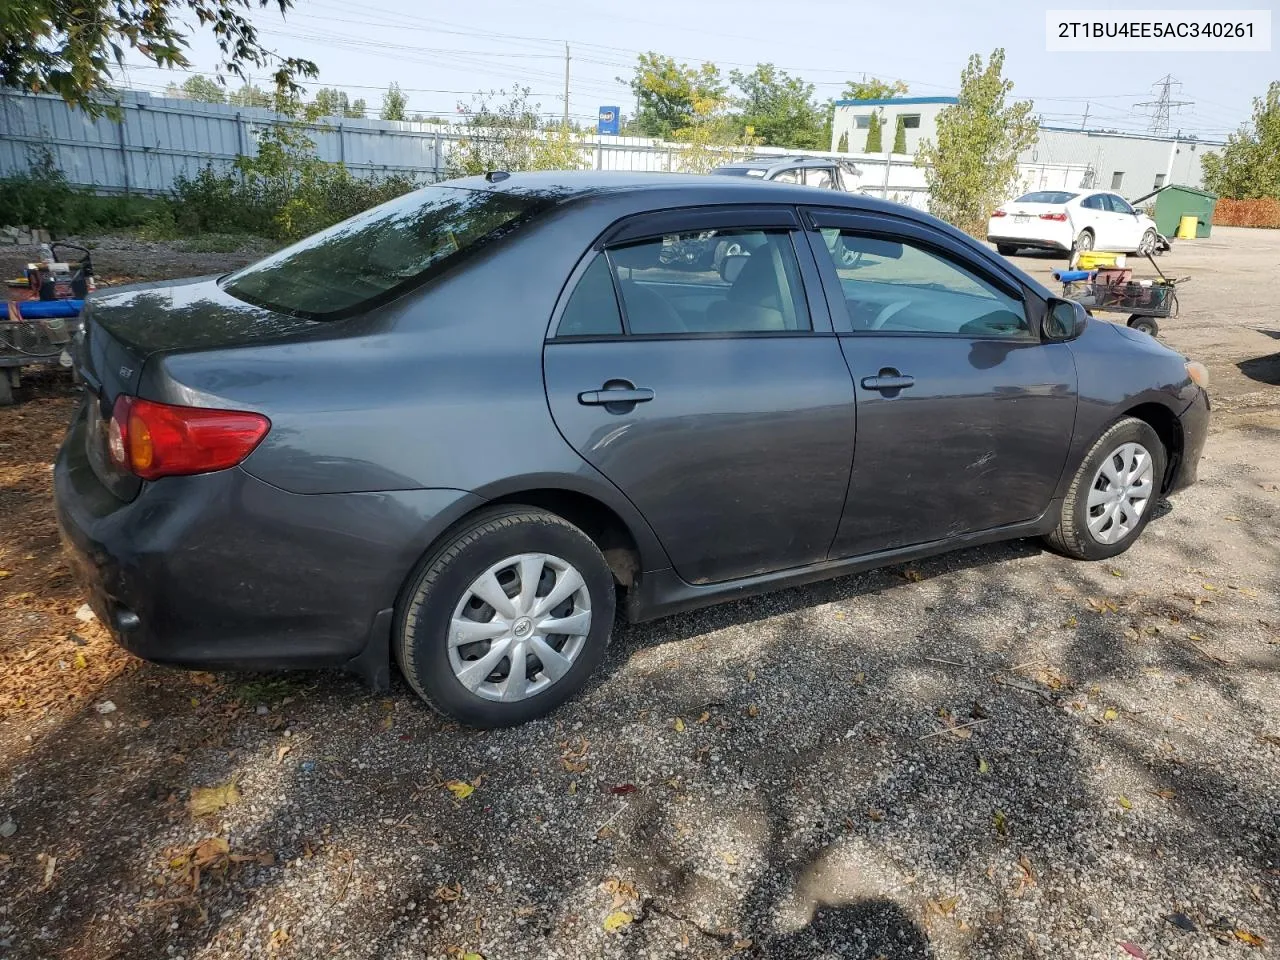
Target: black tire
pixel 1145 325
pixel 1147 245
pixel 1084 241
pixel 1072 536
pixel 444 576
pixel 1006 249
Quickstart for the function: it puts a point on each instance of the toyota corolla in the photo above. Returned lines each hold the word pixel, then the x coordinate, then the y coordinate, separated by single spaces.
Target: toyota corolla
pixel 459 430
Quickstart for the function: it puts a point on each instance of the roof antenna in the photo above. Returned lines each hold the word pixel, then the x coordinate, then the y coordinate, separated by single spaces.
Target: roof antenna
pixel 496 176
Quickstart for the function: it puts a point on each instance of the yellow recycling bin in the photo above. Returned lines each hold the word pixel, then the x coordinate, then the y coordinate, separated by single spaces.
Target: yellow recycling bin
pixel 1187 227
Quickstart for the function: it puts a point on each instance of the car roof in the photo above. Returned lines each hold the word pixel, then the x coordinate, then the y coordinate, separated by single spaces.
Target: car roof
pixel 564 186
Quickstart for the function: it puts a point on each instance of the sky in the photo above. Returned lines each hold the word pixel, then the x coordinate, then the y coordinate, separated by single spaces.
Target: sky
pixel 442 55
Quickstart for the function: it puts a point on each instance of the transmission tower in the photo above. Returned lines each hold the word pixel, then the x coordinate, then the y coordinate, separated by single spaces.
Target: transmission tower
pixel 1164 104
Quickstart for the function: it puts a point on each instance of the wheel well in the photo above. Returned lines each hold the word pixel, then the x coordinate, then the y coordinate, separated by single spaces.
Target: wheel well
pixel 1168 428
pixel 593 518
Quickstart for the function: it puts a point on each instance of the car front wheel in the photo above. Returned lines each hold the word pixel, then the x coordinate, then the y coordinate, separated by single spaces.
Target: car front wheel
pixel 1147 246
pixel 506 619
pixel 1112 494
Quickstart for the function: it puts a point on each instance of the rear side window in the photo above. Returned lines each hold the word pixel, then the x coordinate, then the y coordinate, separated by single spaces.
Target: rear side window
pixel 1095 202
pixel 379 254
pixel 713 281
pixel 592 310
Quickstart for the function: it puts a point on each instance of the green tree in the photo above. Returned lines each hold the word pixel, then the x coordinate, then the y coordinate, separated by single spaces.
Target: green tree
pixel 873 89
pixel 69 48
pixel 249 96
pixel 671 95
pixel 843 145
pixel 780 107
pixel 1249 166
pixel 503 132
pixel 900 136
pixel 358 108
pixel 874 144
pixel 198 88
pixel 393 103
pixel 329 102
pixel 973 167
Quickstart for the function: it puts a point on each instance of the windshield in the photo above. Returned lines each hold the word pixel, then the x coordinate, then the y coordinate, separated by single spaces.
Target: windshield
pixel 1046 196
pixel 379 254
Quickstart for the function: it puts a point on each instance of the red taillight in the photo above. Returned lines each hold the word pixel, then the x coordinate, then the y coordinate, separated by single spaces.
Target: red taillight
pixel 1057 217
pixel 156 440
pixel 999 213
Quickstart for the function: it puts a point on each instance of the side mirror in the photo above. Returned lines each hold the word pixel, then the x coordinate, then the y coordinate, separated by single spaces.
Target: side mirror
pixel 1064 319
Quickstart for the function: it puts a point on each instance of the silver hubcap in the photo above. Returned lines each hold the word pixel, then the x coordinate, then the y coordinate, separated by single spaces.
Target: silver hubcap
pixel 1120 492
pixel 1148 243
pixel 519 627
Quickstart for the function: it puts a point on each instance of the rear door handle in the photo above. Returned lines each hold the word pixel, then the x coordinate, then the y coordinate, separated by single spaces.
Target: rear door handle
pixel 615 395
pixel 888 379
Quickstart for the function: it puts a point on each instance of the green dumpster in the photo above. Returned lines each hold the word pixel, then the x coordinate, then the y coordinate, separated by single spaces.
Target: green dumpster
pixel 1175 202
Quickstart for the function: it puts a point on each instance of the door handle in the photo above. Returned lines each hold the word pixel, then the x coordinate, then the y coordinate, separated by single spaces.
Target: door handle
pixel 616 395
pixel 888 379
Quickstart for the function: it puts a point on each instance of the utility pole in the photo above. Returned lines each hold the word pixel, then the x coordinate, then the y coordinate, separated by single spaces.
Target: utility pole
pixel 1163 105
pixel 566 85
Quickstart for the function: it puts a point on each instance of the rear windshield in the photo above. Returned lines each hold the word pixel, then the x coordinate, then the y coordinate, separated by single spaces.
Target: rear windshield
pixel 379 254
pixel 1046 196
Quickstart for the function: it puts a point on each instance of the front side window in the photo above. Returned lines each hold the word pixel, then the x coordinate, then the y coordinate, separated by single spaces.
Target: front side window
pixel 728 281
pixel 1119 204
pixel 380 253
pixel 894 286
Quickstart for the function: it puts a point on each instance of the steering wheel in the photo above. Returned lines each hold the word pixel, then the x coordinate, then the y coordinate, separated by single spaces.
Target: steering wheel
pixel 883 316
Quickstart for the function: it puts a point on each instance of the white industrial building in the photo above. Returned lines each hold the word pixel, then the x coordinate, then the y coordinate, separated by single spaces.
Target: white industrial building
pixel 1130 164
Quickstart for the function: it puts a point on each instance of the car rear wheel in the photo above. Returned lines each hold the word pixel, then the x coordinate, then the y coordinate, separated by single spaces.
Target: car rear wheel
pixel 1112 494
pixel 1006 249
pixel 507 619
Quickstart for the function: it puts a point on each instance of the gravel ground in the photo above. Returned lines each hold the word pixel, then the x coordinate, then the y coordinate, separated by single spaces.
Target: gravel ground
pixel 996 753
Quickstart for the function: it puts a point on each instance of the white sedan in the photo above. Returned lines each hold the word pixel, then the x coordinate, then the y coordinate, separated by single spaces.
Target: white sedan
pixel 1066 221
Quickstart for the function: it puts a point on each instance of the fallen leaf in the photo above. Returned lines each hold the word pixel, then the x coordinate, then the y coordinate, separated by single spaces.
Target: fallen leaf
pixel 1001 823
pixel 753 711
pixel 4 574
pixel 729 858
pixel 1209 586
pixel 1244 936
pixel 448 893
pixel 616 921
pixel 282 751
pixel 1232 517
pixel 50 864
pixel 473 956
pixel 1071 622
pixel 624 788
pixel 1182 922
pixel 604 833
pixel 1025 864
pixel 206 800
pixel 944 907
pixel 983 766
pixel 1109 714
pixel 460 789
pixel 387 721
pixel 279 937
pixel 913 575
pixel 704 716
pixel 751 676
pixel 678 726
pixel 741 945
pixel 573 787
pixel 210 850
pixel 1116 573
pixel 1133 950
pixel 1164 794
pixel 1124 802
pixel 874 814
pixel 1196 637
pixel 80 661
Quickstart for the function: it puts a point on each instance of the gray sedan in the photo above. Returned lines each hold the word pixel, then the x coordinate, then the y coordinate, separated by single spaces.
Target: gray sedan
pixel 457 431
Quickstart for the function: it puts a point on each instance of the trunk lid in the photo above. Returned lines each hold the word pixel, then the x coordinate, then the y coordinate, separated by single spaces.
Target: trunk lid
pixel 124 326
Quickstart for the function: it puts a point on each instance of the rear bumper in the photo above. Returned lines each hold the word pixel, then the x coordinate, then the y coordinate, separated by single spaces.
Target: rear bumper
pixel 1030 243
pixel 223 570
pixel 1195 430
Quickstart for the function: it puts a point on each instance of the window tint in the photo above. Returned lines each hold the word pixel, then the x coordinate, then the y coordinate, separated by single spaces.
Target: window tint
pixel 1118 204
pixel 592 310
pixel 1093 203
pixel 379 253
pixel 897 287
pixel 732 281
pixel 822 177
pixel 787 176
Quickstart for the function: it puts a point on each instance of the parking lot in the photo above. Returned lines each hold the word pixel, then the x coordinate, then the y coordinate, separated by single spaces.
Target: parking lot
pixel 995 753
